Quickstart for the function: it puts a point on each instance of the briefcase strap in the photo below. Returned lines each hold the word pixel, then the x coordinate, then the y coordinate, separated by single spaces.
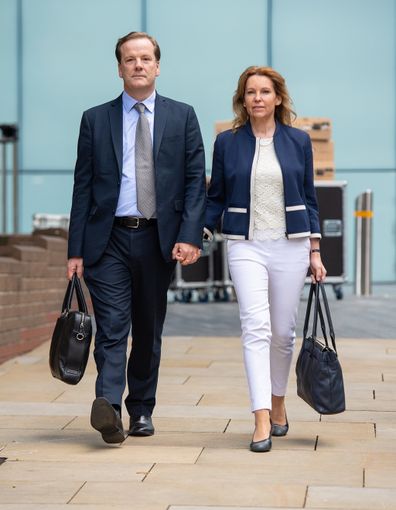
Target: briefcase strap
pixel 74 285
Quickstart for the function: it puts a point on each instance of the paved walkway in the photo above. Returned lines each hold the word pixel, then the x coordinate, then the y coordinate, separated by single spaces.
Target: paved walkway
pixel 199 459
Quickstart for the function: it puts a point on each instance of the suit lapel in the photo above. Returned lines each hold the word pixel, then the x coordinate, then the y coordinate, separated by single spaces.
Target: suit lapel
pixel 115 116
pixel 160 116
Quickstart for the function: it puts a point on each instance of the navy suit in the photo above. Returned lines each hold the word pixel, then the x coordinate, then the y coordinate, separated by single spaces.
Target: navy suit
pixel 128 271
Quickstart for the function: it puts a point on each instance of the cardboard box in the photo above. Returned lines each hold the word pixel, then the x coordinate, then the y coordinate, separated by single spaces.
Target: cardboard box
pixel 324 170
pixel 318 128
pixel 222 125
pixel 323 150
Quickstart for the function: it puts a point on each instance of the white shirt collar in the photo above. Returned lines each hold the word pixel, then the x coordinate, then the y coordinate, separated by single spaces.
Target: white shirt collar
pixel 129 102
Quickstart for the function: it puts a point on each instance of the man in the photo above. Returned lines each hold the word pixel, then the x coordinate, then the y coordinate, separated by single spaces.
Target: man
pixel 138 207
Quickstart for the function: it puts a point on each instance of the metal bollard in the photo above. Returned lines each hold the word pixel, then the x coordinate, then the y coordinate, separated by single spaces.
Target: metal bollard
pixel 363 239
pixel 9 135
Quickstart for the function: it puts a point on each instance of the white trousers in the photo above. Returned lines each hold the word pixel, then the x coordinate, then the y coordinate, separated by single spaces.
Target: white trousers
pixel 268 277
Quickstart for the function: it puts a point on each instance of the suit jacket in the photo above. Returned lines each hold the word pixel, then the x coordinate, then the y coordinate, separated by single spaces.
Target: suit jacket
pixel 230 191
pixel 179 169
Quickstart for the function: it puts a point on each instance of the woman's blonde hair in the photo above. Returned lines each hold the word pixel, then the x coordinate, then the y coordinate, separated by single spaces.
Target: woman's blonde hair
pixel 283 111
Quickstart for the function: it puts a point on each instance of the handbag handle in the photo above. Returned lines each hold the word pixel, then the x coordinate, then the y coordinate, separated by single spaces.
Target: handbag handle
pixel 315 289
pixel 328 315
pixel 74 285
pixel 308 310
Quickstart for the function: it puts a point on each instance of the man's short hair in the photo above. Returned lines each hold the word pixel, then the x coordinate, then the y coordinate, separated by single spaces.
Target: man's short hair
pixel 137 35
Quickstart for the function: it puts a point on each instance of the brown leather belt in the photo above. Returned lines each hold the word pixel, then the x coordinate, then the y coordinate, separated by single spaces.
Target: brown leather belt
pixel 134 222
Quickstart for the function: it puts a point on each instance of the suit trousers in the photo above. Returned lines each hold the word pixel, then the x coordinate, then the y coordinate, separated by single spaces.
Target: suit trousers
pixel 268 277
pixel 128 286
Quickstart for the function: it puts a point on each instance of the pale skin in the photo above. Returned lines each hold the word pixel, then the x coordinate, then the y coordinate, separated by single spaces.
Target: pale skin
pixel 138 69
pixel 260 101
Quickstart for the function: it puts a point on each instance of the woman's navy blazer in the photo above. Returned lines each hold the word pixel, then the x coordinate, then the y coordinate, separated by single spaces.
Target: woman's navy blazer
pixel 230 192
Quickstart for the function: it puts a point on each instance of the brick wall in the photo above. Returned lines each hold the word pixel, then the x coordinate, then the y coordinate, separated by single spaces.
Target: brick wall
pixel 32 287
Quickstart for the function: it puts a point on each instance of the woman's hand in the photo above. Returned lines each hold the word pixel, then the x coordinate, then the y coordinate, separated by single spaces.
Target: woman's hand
pixel 318 271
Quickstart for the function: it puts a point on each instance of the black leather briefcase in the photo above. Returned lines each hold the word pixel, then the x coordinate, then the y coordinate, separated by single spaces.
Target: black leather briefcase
pixel 71 339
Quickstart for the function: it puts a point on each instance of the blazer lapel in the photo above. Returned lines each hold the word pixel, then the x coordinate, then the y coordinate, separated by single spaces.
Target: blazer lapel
pixel 115 115
pixel 160 116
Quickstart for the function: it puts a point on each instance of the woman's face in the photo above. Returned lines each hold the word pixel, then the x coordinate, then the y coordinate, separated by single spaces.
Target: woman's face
pixel 260 98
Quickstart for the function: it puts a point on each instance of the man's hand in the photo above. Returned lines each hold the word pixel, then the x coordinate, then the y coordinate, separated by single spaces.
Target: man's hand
pixel 186 253
pixel 75 265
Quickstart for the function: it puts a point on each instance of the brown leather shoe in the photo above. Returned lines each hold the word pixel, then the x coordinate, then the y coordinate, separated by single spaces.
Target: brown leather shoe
pixel 107 421
pixel 141 426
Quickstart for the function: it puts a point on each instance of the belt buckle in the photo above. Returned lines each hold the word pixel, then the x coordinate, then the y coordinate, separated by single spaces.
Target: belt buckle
pixel 137 220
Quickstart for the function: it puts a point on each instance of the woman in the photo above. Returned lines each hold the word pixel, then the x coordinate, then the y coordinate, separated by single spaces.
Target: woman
pixel 262 185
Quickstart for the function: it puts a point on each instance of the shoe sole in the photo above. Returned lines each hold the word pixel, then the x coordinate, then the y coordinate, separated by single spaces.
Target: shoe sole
pixel 104 420
pixel 141 433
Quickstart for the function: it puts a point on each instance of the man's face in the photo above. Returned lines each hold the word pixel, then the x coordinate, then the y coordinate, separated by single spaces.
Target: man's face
pixel 139 67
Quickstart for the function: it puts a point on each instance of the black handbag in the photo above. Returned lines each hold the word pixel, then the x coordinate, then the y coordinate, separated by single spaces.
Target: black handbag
pixel 319 374
pixel 71 338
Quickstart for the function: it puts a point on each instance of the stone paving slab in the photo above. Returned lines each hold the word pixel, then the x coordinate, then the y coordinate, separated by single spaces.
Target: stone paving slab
pixel 19 491
pixel 36 471
pixel 362 416
pixel 389 376
pixel 345 498
pixel 43 409
pixel 60 506
pixel 380 476
pixel 386 431
pixel 128 507
pixel 177 507
pixel 155 496
pixel 83 451
pixel 35 422
pixel 199 457
pixel 348 474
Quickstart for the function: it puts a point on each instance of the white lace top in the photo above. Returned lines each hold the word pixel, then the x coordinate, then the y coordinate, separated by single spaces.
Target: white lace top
pixel 269 203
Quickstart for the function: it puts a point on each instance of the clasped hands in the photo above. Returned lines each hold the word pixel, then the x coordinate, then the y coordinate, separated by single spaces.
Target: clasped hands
pixel 185 253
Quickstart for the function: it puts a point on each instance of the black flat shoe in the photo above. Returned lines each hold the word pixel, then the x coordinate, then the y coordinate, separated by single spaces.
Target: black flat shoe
pixel 261 446
pixel 279 430
pixel 141 426
pixel 107 421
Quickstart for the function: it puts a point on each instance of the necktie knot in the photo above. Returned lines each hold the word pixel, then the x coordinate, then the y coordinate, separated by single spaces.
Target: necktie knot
pixel 140 107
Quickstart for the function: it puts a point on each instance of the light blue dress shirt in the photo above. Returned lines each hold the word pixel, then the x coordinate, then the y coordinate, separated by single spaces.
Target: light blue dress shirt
pixel 127 201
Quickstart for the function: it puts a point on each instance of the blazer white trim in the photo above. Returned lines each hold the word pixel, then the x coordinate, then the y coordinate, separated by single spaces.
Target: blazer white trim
pixel 299 234
pixel 291 208
pixel 237 209
pixel 233 237
pixel 252 181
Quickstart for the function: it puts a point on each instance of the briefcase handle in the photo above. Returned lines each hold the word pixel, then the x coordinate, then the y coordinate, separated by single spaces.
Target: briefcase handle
pixel 74 285
pixel 315 290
